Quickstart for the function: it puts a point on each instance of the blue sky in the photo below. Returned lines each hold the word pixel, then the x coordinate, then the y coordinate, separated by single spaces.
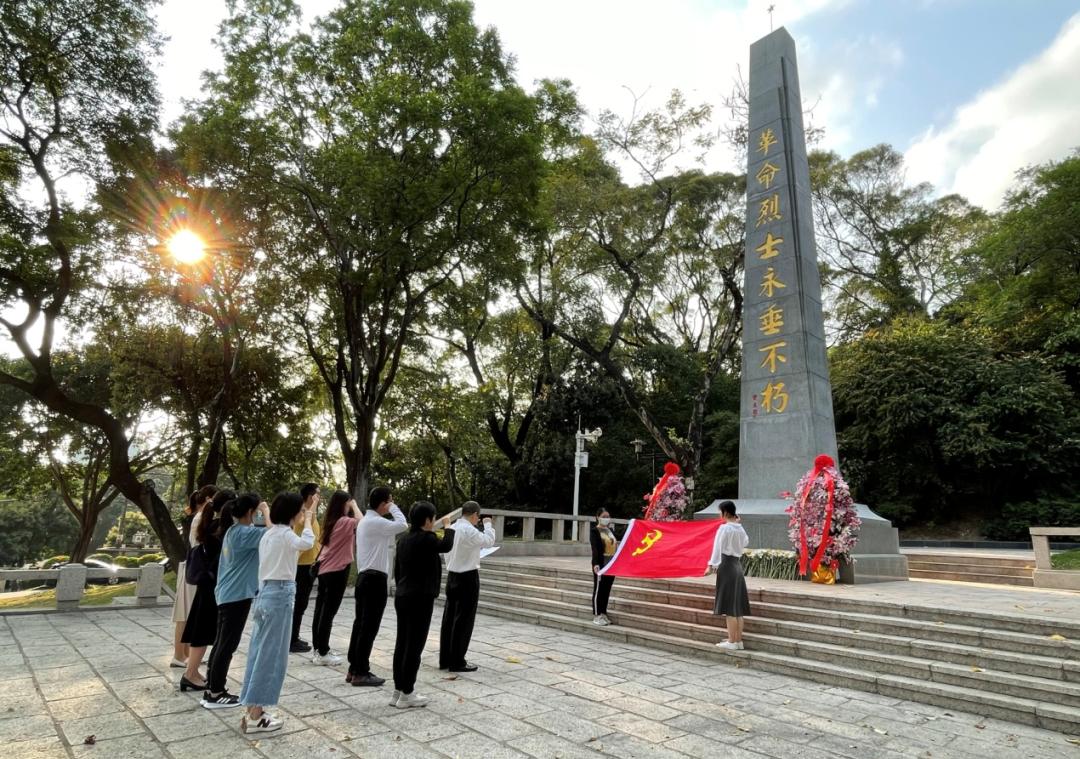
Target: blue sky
pixel 952 49
pixel 970 90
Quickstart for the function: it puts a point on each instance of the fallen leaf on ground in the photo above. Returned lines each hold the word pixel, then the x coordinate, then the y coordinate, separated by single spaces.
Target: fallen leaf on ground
pixel 1018 606
pixel 980 727
pixel 1073 741
pixel 879 731
pixel 513 660
pixel 976 669
pixel 744 729
pixel 90 740
pixel 1055 636
pixel 450 677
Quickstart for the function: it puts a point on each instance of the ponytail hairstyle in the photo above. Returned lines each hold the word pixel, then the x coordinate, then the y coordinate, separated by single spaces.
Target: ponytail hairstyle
pixel 334 511
pixel 196 499
pixel 207 524
pixel 236 509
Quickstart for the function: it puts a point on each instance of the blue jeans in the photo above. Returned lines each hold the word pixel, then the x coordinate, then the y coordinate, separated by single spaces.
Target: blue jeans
pixel 268 654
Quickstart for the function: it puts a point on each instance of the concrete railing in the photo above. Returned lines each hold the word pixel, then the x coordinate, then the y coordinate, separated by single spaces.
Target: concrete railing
pixel 71 581
pixel 1045 576
pixel 1040 541
pixel 560 525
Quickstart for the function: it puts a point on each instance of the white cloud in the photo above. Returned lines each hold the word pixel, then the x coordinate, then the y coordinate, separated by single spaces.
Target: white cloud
pixel 1029 117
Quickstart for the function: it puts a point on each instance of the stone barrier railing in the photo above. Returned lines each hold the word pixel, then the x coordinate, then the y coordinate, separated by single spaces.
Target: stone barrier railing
pixel 71 581
pixel 553 528
pixel 1045 576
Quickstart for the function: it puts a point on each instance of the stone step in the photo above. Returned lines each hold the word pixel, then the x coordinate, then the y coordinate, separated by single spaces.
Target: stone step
pixel 987 629
pixel 919 639
pixel 975 575
pixel 985 570
pixel 971 560
pixel 1050 716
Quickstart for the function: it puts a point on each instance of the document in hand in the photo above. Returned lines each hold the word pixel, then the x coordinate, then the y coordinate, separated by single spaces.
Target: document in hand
pixel 485 552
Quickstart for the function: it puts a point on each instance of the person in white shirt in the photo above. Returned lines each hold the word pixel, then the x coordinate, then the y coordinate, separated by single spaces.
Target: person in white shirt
pixel 374 534
pixel 732 600
pixel 463 587
pixel 268 653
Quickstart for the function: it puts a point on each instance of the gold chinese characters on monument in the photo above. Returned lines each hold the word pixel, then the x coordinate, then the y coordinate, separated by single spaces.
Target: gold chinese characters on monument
pixel 774 396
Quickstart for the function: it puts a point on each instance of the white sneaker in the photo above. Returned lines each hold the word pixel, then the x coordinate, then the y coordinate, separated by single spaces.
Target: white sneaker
pixel 330 660
pixel 740 645
pixel 607 621
pixel 395 697
pixel 598 620
pixel 267 723
pixel 728 646
pixel 410 701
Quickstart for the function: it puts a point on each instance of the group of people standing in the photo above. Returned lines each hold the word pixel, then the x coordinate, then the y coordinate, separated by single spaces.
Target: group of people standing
pixel 250 558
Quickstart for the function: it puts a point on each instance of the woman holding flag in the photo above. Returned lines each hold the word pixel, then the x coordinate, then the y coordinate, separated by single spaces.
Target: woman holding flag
pixel 603 541
pixel 732 600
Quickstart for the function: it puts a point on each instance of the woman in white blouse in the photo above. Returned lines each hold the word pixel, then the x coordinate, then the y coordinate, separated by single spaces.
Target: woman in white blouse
pixel 268 653
pixel 732 600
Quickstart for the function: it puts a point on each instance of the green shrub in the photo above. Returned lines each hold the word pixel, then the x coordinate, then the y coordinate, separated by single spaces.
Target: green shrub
pixel 150 558
pixel 126 561
pixel 1016 518
pixel 102 557
pixel 52 561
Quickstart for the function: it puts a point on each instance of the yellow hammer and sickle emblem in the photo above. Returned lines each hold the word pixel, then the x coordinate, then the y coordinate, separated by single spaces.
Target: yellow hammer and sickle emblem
pixel 647 542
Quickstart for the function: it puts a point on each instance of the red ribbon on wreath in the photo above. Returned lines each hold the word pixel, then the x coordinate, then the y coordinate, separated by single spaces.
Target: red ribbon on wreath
pixel 670 470
pixel 821 466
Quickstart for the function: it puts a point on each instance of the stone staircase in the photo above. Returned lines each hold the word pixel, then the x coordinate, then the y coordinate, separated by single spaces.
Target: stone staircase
pixel 1018 668
pixel 964 567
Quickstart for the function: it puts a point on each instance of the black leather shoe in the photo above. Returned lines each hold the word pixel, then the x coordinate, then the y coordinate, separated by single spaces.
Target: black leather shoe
pixel 369 680
pixel 466 667
pixel 299 647
pixel 186 685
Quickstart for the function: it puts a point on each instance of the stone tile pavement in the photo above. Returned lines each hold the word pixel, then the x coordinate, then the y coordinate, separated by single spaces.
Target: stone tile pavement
pixel 539 693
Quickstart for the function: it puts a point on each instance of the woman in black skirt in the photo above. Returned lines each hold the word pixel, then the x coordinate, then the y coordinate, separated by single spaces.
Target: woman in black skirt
pixel 200 630
pixel 732 600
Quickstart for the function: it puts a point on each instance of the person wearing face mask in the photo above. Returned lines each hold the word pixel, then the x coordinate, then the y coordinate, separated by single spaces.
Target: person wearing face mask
pixel 603 541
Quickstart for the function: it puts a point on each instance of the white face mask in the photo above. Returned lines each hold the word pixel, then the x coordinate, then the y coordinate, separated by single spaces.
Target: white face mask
pixel 605 521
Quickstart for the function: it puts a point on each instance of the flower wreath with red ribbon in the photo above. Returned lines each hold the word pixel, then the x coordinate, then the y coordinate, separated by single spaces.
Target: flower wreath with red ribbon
pixel 668 500
pixel 824 525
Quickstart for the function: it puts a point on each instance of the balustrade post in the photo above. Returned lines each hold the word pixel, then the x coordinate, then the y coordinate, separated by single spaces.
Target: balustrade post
pixel 528 529
pixel 148 586
pixel 558 530
pixel 70 582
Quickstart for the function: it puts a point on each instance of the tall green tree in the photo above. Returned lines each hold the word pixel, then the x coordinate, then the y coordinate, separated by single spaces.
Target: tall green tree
pixel 888 249
pixel 75 78
pixel 395 149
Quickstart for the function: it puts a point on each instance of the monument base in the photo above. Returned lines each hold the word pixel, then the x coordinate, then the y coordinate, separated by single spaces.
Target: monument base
pixel 877 557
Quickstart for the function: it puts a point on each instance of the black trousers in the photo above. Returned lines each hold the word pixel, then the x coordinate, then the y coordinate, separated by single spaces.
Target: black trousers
pixel 327 603
pixel 413 623
pixel 304 581
pixel 231 619
pixel 459 616
pixel 601 592
pixel 371 592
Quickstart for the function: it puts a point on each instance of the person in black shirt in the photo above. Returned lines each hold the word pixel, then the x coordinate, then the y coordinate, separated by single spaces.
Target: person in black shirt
pixel 418 575
pixel 603 541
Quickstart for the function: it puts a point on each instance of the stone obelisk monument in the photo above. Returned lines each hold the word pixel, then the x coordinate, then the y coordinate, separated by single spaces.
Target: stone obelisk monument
pixel 786 403
pixel 786 406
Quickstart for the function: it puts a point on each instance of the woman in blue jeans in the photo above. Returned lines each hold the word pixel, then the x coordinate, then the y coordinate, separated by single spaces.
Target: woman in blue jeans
pixel 268 653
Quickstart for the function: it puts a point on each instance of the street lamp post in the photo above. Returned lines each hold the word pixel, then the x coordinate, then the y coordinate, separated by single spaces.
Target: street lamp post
pixel 581 461
pixel 652 456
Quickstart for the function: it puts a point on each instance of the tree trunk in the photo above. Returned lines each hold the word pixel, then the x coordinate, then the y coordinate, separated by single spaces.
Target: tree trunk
pixel 211 467
pixel 155 510
pixel 87 523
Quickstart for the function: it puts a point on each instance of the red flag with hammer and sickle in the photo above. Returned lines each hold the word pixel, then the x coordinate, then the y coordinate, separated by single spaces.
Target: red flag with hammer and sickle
pixel 664 549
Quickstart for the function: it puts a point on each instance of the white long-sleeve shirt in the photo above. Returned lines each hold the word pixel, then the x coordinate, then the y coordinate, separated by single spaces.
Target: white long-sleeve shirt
pixel 279 550
pixel 373 537
pixel 468 540
pixel 731 540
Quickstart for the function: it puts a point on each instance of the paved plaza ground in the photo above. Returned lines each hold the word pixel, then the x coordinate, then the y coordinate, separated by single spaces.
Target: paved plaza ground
pixel 539 693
